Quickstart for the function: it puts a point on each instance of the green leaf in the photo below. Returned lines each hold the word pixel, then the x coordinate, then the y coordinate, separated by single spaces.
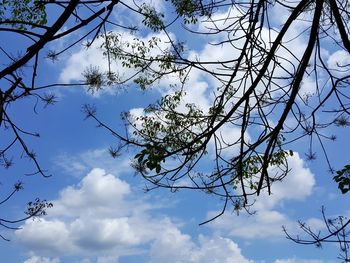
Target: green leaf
pixel 343 179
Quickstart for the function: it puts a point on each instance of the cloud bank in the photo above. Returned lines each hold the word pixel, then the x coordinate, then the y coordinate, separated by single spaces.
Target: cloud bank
pixel 101 219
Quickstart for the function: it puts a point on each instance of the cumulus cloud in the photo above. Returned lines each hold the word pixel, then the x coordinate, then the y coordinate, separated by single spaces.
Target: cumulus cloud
pixel 48 237
pixel 101 219
pixel 96 190
pixel 268 220
pixel 93 214
pixel 36 259
pixel 172 246
pixel 297 185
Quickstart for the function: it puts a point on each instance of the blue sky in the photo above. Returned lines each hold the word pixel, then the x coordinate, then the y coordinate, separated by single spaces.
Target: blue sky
pixel 102 214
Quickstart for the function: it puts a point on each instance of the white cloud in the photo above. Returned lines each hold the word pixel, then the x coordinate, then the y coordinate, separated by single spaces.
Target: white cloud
pixel 91 217
pixel 338 63
pixel 93 56
pixel 78 62
pixel 268 220
pixel 36 259
pixel 50 237
pixel 265 223
pixel 218 250
pixel 297 185
pixel 109 232
pixel 174 247
pixel 95 191
pixel 108 259
pixel 100 218
pixel 171 244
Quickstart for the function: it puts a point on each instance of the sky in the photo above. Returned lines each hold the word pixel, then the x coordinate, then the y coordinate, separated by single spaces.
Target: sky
pixel 101 212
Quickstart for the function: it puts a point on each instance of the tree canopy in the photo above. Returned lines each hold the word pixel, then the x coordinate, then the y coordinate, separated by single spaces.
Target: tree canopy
pixel 271 86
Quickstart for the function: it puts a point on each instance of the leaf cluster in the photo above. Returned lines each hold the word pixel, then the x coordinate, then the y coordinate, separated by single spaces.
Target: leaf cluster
pixel 20 13
pixel 343 179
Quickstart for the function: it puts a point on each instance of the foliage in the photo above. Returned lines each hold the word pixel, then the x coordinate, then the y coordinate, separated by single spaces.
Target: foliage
pixel 22 13
pixel 343 179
